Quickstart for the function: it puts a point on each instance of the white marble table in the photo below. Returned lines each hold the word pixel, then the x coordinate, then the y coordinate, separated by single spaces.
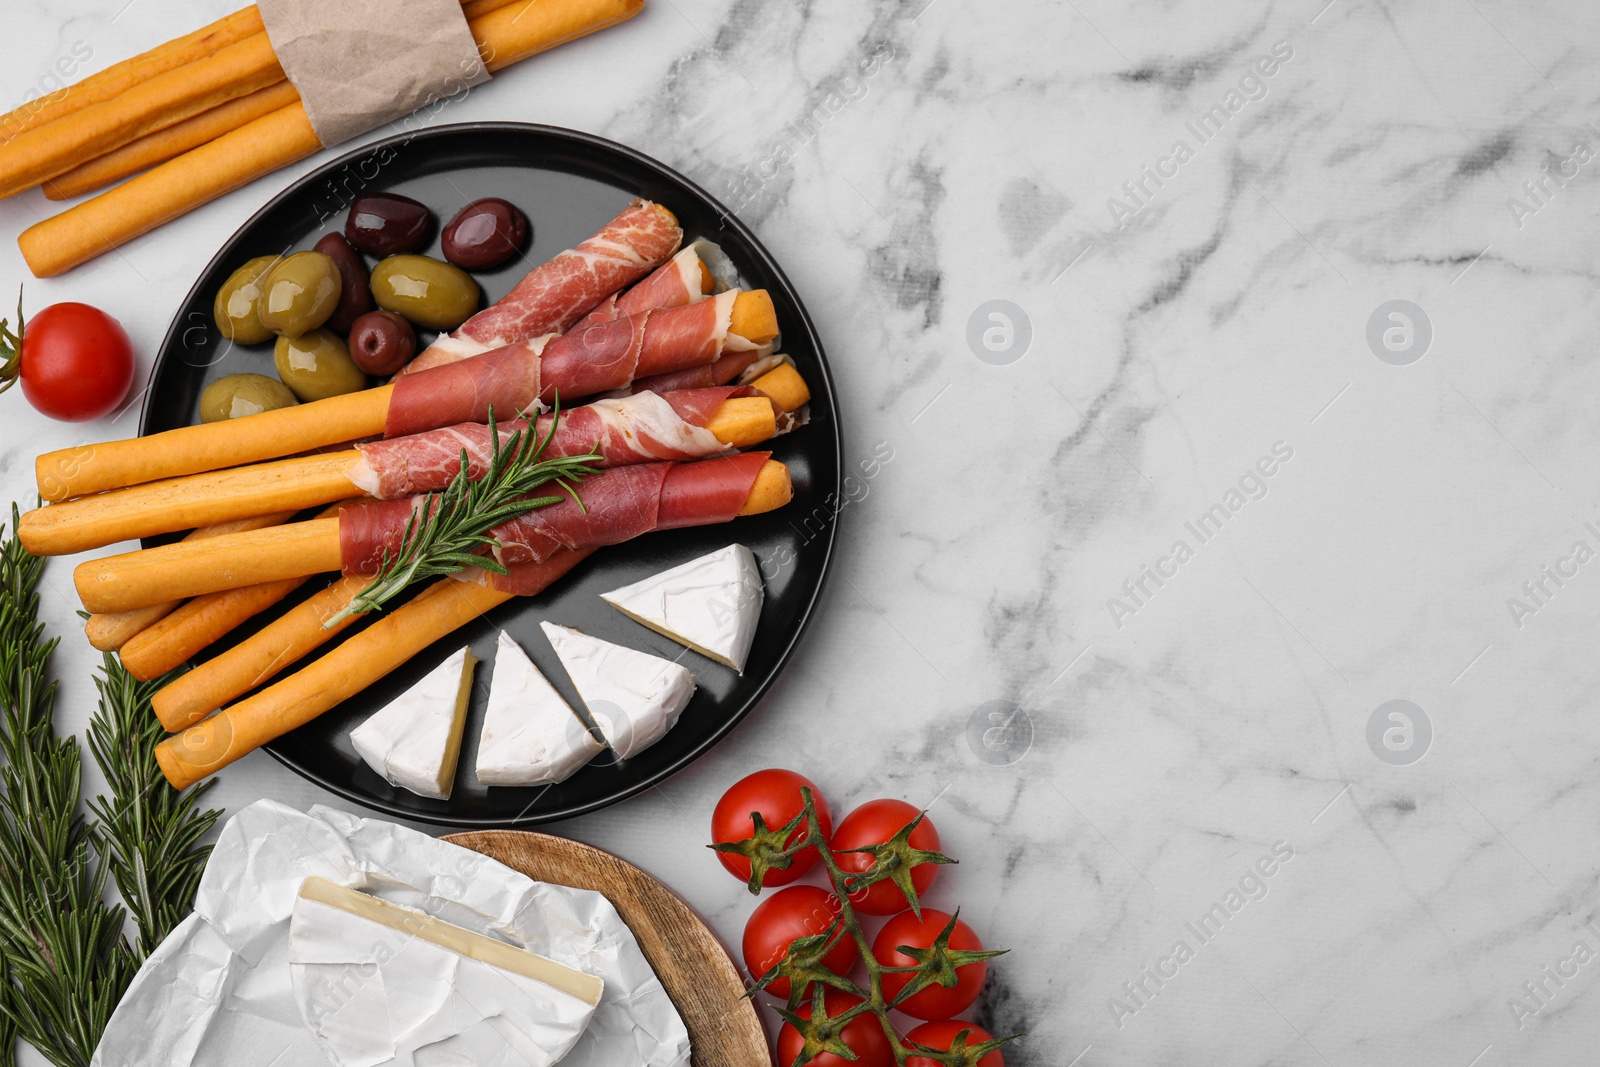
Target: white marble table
pixel 1200 249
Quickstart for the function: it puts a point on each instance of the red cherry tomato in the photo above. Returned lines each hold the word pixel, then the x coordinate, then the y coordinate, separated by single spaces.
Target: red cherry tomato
pixel 862 1035
pixel 875 823
pixel 934 1002
pixel 775 793
pixel 791 913
pixel 76 362
pixel 942 1034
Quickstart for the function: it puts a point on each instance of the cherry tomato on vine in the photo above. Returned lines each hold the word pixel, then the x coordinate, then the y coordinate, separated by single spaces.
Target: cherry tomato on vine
pixel 863 1035
pixel 794 912
pixel 934 1002
pixel 75 362
pixel 942 1034
pixel 875 823
pixel 775 793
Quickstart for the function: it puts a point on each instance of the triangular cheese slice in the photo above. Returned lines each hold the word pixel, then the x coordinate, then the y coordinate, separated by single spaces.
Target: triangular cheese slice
pixel 530 736
pixel 415 741
pixel 634 698
pixel 379 983
pixel 711 604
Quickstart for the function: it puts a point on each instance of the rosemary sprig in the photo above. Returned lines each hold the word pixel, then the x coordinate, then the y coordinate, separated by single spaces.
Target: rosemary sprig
pixel 66 961
pixel 447 532
pixel 148 832
pixel 802 964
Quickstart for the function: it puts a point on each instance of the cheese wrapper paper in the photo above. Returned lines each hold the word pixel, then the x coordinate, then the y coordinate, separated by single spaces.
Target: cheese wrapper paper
pixel 359 64
pixel 218 991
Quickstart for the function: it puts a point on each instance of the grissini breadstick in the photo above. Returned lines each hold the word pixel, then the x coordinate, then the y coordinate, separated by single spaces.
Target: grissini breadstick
pixel 392 640
pixel 167 191
pixel 185 503
pixel 120 77
pixel 158 147
pixel 94 468
pixel 198 623
pixel 311 481
pixel 150 576
pixel 263 655
pixel 785 386
pixel 87 469
pixel 118 215
pixel 213 743
pixel 154 104
pixel 109 632
pixel 135 579
pixel 192 696
pixel 194 625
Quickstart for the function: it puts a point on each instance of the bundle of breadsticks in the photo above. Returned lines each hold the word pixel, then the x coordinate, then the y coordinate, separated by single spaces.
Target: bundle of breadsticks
pixel 203 115
pixel 666 381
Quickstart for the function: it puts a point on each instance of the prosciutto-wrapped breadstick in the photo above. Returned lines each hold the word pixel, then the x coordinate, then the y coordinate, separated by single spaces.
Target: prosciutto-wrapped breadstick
pixel 619 504
pixel 598 360
pixel 687 424
pixel 394 639
pixel 559 292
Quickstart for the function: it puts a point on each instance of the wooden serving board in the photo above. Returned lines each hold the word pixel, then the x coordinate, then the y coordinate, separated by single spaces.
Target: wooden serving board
pixel 724 1028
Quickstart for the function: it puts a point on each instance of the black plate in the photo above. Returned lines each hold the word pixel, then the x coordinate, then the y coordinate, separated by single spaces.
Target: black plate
pixel 569 184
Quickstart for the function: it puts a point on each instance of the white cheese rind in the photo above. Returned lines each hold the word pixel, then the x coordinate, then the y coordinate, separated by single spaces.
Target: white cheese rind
pixel 711 604
pixel 530 735
pixel 633 697
pixel 414 741
pixel 378 983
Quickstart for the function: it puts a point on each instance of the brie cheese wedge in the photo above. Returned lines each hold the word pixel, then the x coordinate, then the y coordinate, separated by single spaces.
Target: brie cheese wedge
pixel 711 604
pixel 634 698
pixel 415 741
pixel 530 735
pixel 379 983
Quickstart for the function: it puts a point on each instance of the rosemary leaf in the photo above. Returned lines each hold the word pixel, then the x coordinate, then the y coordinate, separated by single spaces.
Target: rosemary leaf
pixel 448 532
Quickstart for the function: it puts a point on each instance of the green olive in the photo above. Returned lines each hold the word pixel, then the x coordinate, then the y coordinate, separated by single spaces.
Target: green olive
pixel 239 395
pixel 300 294
pixel 317 365
pixel 429 292
pixel 235 307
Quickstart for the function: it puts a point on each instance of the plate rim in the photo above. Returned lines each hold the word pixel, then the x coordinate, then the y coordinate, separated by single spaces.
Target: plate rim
pixel 603 145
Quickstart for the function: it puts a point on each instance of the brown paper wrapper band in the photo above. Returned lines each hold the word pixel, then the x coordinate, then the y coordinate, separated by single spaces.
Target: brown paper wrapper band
pixel 359 64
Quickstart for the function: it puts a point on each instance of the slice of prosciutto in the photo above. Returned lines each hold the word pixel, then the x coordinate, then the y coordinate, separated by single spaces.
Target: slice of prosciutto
pixel 617 505
pixel 530 579
pixel 677 282
pixel 600 359
pixel 641 428
pixel 557 293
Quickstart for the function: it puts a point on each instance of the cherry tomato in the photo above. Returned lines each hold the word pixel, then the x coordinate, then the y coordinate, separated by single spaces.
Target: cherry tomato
pixel 942 1034
pixel 76 362
pixel 790 913
pixel 874 823
pixel 775 793
pixel 934 1002
pixel 862 1035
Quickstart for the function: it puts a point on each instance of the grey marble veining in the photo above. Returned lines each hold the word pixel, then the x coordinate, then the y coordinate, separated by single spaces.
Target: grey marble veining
pixel 1201 211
